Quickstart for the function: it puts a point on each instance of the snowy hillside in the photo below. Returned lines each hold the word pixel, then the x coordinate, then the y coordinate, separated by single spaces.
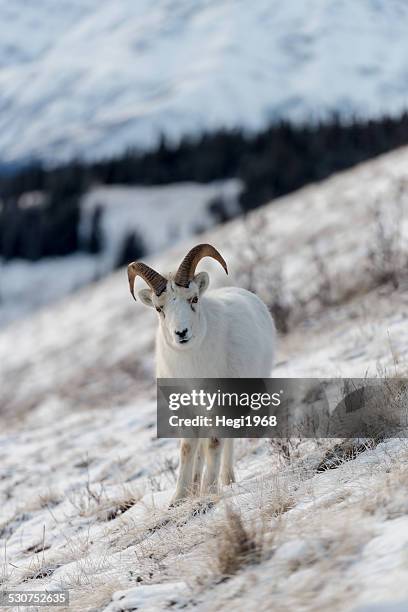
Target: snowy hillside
pixel 85 484
pixel 160 215
pixel 91 78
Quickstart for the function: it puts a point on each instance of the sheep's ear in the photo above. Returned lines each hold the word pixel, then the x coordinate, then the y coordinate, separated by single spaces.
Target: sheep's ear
pixel 145 296
pixel 202 280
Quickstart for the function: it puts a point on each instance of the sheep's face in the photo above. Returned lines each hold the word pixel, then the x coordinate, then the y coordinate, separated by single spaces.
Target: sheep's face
pixel 179 311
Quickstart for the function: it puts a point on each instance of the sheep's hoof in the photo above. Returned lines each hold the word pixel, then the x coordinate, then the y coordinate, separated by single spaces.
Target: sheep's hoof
pixel 202 507
pixel 158 526
pixel 177 502
pixel 228 478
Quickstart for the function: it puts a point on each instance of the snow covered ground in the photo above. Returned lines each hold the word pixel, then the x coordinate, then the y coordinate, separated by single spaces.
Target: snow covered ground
pixel 92 78
pixel 85 484
pixel 160 215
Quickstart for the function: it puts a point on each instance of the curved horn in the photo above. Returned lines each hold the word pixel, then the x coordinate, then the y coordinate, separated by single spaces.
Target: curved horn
pixel 187 267
pixel 156 281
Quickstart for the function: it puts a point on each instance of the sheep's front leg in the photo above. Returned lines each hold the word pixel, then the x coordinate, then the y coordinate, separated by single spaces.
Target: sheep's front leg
pixel 214 449
pixel 184 486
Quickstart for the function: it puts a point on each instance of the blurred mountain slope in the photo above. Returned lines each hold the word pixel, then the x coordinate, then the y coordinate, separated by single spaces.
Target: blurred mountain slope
pixel 84 78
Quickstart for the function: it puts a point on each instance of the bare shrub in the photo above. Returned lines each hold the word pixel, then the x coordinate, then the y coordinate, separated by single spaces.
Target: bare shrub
pixel 40 571
pixel 87 499
pixel 164 474
pixel 324 293
pixel 94 500
pixel 344 451
pixel 386 263
pixel 285 448
pixel 257 272
pixel 388 259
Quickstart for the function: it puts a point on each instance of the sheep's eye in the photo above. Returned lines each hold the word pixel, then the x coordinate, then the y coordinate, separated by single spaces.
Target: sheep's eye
pixel 194 300
pixel 158 309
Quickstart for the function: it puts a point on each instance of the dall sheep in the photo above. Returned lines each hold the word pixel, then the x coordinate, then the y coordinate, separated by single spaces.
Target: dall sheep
pixel 226 333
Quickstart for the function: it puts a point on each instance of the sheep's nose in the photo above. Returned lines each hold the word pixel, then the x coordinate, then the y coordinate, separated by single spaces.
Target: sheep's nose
pixel 181 334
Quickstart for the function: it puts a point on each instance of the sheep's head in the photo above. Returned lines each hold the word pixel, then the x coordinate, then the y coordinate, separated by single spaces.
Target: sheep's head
pixel 177 298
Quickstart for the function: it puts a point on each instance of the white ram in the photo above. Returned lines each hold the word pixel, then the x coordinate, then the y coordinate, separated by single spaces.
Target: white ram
pixel 226 333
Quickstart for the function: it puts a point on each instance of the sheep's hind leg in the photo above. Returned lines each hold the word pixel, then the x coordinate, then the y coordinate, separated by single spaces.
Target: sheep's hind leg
pixel 184 486
pixel 214 449
pixel 227 464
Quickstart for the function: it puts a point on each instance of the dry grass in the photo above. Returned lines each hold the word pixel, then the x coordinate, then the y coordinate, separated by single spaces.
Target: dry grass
pixel 93 597
pixel 236 544
pixel 388 498
pixel 305 558
pixel 215 549
pixel 278 504
pixel 94 501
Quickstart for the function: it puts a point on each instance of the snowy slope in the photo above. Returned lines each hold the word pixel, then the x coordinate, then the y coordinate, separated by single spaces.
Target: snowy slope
pixel 160 215
pixel 85 484
pixel 81 77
